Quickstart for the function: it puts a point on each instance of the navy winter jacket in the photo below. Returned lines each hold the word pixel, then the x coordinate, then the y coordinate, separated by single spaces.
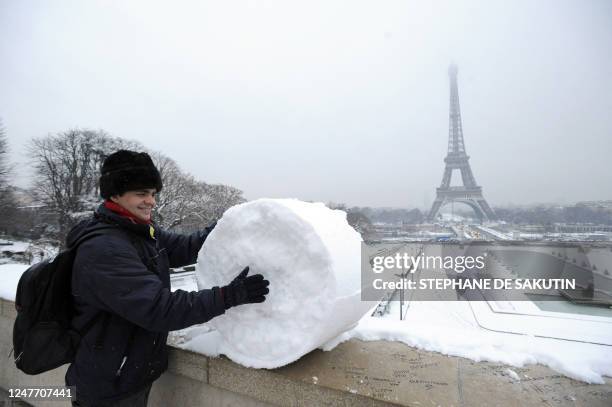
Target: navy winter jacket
pixel 129 296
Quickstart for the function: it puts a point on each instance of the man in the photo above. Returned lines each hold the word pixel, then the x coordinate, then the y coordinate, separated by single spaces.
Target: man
pixel 121 288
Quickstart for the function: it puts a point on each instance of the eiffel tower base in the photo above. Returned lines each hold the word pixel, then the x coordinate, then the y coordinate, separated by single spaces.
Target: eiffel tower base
pixel 469 196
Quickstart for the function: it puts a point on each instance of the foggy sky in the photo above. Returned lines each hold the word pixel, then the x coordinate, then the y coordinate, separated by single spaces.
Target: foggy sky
pixel 339 101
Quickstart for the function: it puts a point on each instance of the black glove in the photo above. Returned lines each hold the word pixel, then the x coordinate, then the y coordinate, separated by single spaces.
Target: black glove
pixel 245 290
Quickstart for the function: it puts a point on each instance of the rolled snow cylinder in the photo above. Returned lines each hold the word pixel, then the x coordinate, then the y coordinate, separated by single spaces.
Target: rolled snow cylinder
pixel 310 255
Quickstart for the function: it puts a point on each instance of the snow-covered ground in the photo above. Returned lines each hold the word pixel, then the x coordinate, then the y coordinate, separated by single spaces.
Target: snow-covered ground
pixel 15 251
pixel 13 246
pixel 12 251
pixel 451 328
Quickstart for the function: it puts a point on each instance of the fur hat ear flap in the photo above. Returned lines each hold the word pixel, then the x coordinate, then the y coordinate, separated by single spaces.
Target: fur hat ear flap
pixel 127 170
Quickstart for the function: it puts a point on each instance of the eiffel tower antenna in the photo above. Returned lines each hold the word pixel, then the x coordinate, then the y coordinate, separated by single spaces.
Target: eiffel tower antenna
pixel 457 159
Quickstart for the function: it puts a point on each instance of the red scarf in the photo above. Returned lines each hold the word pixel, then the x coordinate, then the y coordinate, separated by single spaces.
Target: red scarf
pixel 121 211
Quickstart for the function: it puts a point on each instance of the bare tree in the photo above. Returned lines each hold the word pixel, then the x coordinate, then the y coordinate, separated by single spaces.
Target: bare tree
pixel 67 169
pixel 188 204
pixel 360 223
pixel 5 168
pixel 8 204
pixel 215 199
pixel 65 172
pixel 355 218
pixel 67 179
pixel 176 201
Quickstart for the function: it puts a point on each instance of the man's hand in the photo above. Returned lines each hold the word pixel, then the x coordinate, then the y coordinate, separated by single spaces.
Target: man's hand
pixel 245 290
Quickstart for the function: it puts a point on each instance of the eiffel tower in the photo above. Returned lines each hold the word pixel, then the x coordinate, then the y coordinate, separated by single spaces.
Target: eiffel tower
pixel 457 159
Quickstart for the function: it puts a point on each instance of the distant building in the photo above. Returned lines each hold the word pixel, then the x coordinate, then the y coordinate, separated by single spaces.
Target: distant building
pixel 580 228
pixel 596 205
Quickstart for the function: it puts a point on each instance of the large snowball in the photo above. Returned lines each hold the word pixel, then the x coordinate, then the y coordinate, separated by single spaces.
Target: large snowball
pixel 310 255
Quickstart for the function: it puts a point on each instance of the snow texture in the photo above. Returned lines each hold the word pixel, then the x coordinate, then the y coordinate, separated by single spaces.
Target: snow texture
pixel 310 255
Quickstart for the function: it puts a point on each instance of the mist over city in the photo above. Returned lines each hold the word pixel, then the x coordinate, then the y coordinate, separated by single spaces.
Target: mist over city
pixel 327 101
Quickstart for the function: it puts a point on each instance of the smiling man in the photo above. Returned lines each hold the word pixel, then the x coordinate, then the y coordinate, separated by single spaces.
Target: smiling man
pixel 137 203
pixel 123 304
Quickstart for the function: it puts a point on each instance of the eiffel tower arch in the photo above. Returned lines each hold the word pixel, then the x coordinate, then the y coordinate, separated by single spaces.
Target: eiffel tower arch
pixel 457 159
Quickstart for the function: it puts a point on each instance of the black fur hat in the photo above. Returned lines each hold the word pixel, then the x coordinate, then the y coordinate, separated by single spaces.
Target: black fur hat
pixel 126 170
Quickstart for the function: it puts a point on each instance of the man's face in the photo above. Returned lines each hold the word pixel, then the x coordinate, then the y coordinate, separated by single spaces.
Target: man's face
pixel 139 202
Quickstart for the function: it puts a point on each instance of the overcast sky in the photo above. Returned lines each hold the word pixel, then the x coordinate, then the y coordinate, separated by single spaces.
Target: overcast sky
pixel 341 101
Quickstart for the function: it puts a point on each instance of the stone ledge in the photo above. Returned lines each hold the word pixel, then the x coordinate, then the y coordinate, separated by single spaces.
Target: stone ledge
pixel 188 364
pixel 8 309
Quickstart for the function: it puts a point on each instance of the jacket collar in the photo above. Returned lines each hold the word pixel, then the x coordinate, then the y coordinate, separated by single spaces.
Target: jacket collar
pixel 121 211
pixel 104 214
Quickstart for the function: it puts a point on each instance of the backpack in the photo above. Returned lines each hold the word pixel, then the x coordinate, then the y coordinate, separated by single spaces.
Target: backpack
pixel 43 338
